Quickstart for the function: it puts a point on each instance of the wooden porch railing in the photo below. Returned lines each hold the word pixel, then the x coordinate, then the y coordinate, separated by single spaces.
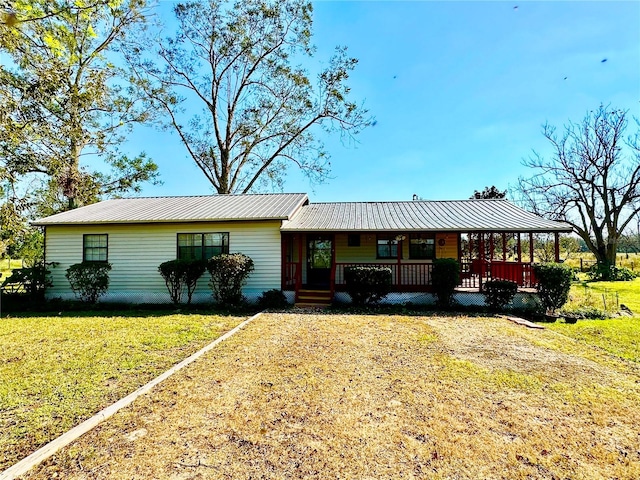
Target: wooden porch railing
pixel 473 274
pixel 416 277
pixel 413 277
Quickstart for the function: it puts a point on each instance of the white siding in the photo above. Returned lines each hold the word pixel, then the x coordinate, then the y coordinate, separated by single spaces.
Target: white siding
pixel 135 251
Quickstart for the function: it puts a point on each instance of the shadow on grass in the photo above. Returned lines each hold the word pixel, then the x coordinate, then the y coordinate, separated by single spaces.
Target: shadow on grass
pixel 26 308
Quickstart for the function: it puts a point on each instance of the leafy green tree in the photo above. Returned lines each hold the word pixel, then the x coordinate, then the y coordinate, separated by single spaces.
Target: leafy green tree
pixel 259 112
pixel 591 181
pixel 64 101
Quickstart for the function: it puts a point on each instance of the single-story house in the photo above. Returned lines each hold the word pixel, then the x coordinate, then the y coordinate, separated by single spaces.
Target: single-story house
pixel 300 247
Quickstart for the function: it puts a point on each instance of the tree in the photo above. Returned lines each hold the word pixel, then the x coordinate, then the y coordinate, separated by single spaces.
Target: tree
pixel 64 102
pixel 258 112
pixel 488 192
pixel 591 181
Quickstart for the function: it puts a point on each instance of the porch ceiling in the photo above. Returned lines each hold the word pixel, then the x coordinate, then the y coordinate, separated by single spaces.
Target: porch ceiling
pixel 453 215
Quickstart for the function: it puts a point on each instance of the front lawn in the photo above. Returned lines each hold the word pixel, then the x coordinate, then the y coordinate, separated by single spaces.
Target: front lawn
pixel 57 371
pixel 618 336
pixel 356 396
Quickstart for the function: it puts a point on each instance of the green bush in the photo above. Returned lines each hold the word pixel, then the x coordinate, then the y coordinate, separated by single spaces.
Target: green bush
pixel 610 273
pixel 181 274
pixel 554 282
pixel 445 277
pixel 31 282
pixel 367 285
pixel 273 300
pixel 499 293
pixel 89 280
pixel 229 273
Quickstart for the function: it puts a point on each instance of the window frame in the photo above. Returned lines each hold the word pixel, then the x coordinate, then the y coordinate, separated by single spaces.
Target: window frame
pixel 224 247
pixel 85 247
pixel 390 239
pixel 420 236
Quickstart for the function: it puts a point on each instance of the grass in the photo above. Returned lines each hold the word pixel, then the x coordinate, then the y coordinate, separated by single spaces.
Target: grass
pixel 605 296
pixel 338 396
pixel 618 336
pixel 7 265
pixel 57 371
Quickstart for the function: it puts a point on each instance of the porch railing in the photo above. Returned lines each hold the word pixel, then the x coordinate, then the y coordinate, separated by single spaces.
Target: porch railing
pixel 416 277
pixel 473 274
pixel 413 277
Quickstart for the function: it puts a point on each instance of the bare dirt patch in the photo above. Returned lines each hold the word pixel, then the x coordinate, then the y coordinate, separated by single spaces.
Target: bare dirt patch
pixel 319 396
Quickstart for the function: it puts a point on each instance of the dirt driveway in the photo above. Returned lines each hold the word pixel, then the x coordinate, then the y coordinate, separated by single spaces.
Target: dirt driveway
pixel 364 397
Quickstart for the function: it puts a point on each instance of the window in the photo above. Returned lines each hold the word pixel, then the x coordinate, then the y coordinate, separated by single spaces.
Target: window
pixel 94 248
pixel 422 246
pixel 387 246
pixel 202 246
pixel 353 240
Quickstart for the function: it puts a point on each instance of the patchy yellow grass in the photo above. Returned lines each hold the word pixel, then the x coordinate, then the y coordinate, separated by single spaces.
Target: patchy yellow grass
pixel 321 396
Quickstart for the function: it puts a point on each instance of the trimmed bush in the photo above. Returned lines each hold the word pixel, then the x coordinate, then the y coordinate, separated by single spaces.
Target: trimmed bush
pixel 610 273
pixel 229 273
pixel 89 280
pixel 499 293
pixel 273 300
pixel 179 274
pixel 554 282
pixel 445 277
pixel 367 285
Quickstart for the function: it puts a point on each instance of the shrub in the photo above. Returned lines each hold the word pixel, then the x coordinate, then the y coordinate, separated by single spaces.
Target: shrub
pixel 30 281
pixel 445 277
pixel 273 300
pixel 179 274
pixel 499 293
pixel 229 273
pixel 610 273
pixel 367 285
pixel 554 282
pixel 89 280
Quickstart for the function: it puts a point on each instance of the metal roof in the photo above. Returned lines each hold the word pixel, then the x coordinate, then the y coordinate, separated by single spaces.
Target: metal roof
pixel 451 215
pixel 183 209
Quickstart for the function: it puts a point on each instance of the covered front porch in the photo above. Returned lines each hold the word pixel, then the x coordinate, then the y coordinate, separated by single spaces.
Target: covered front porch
pixel 317 260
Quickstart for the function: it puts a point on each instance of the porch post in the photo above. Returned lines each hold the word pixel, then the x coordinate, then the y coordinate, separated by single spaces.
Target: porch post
pixel 519 249
pixel 399 271
pixel 299 269
pixel 557 247
pixel 530 247
pixel 504 247
pixel 491 246
pixel 481 255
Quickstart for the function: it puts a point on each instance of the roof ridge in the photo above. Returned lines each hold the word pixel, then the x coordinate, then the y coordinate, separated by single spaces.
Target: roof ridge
pixel 205 196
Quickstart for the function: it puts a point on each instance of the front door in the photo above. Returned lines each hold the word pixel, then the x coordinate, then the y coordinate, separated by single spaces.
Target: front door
pixel 319 259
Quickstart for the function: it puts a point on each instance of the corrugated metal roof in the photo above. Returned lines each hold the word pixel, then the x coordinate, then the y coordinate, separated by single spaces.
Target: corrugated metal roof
pixel 183 209
pixel 453 215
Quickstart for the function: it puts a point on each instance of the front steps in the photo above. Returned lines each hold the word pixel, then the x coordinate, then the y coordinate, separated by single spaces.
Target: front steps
pixel 311 298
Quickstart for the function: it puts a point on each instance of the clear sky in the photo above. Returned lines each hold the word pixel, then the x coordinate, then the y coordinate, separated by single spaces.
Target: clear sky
pixel 459 91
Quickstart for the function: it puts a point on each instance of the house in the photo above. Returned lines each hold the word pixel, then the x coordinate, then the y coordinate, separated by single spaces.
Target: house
pixel 300 247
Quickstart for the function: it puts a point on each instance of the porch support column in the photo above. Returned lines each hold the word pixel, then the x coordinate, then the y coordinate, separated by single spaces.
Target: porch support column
pixel 399 268
pixel 530 247
pixel 284 239
pixel 491 246
pixel 504 247
pixel 557 247
pixel 519 248
pixel 481 256
pixel 299 269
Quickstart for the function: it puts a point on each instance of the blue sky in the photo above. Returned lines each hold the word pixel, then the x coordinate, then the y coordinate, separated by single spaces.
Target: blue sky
pixel 459 91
